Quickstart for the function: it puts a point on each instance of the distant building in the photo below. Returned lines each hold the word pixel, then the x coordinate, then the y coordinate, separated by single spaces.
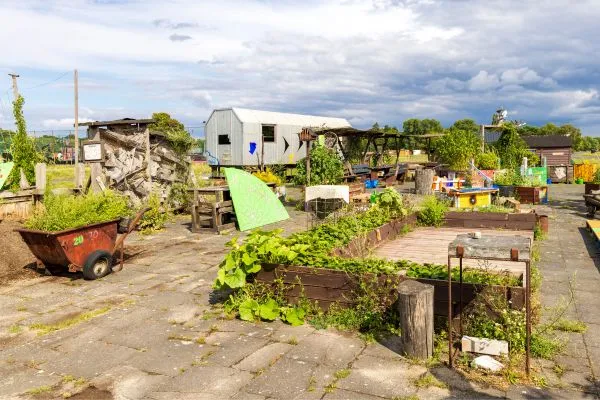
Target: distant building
pixel 557 150
pixel 237 136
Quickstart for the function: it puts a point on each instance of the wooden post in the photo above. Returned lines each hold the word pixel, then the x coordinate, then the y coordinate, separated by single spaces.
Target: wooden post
pixel 308 163
pixel 415 310
pixel 424 181
pixel 14 85
pixel 97 178
pixel 148 159
pixel 40 178
pixel 78 180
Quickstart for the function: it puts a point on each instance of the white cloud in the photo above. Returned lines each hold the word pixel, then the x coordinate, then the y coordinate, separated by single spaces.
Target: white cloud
pixel 484 81
pixel 62 123
pixel 367 60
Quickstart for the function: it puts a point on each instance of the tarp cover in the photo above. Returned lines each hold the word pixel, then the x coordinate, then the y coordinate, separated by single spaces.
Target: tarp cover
pixel 328 192
pixel 5 169
pixel 254 202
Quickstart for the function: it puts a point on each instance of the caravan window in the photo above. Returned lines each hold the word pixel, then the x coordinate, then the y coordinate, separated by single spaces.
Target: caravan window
pixel 268 133
pixel 224 139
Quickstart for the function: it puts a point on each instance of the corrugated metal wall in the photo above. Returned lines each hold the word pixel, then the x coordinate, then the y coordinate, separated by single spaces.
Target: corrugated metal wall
pixel 275 152
pixel 224 122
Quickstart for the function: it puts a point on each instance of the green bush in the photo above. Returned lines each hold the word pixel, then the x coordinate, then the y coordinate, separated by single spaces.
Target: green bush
pixel 60 212
pixel 457 147
pixel 154 219
pixel 488 160
pixel 432 212
pixel 326 168
pixel 179 198
pixel 509 178
pixel 596 176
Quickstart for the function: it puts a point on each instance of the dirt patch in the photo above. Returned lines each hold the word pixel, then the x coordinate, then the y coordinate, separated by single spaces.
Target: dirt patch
pixel 93 393
pixel 15 258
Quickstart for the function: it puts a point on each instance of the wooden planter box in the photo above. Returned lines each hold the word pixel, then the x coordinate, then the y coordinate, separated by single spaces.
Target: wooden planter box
pixel 328 286
pixel 481 220
pixel 374 238
pixel 591 186
pixel 532 195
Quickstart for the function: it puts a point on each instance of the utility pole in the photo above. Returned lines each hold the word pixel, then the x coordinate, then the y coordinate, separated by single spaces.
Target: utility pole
pixel 14 85
pixel 78 182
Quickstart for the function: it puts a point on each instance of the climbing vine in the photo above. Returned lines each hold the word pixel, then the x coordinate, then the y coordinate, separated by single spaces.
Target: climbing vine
pixel 22 149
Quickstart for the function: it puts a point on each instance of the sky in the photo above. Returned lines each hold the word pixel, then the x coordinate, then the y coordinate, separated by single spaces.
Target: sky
pixel 365 60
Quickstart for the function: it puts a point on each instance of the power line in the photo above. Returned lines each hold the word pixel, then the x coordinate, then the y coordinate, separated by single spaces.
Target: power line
pixel 49 82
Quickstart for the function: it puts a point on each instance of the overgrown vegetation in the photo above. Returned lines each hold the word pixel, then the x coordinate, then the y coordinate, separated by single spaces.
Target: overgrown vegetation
pixel 60 212
pixel 44 329
pixel 156 217
pixel 488 160
pixel 512 148
pixel 326 167
pixel 268 176
pixel 174 131
pixel 22 149
pixel 457 147
pixel 433 211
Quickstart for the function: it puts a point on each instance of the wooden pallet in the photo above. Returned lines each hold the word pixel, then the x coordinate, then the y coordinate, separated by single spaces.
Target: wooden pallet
pixel 593 226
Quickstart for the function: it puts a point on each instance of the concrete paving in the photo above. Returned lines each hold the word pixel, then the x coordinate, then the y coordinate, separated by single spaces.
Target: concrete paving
pixel 153 331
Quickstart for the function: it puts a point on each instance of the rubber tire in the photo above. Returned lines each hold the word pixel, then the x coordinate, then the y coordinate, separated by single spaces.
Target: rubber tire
pixel 91 269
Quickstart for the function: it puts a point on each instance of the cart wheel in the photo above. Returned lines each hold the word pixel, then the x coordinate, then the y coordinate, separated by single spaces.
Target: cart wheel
pixel 97 265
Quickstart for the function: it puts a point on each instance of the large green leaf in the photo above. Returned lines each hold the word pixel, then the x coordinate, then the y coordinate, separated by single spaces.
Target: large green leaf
pixel 293 315
pixel 248 310
pixel 235 279
pixel 269 311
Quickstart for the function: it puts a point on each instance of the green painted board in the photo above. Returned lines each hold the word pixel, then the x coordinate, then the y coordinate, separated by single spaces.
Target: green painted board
pixel 538 174
pixel 5 169
pixel 254 202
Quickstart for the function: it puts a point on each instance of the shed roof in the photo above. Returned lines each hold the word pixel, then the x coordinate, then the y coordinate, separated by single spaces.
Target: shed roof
pixel 542 141
pixel 124 121
pixel 270 117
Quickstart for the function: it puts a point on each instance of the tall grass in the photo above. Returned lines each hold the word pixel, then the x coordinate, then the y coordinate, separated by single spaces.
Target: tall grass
pixel 60 212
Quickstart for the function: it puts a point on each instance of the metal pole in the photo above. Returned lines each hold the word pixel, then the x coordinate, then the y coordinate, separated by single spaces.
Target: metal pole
pixel 449 313
pixel 78 182
pixel 528 315
pixel 14 85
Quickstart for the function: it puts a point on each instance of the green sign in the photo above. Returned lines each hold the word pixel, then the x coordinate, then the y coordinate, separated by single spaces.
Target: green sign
pixel 5 169
pixel 254 202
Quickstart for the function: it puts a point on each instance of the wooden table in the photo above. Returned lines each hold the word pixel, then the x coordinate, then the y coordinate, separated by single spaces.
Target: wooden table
pixel 212 216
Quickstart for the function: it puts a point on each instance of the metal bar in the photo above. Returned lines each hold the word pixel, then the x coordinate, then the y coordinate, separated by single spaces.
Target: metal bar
pixel 528 314
pixel 449 313
pixel 461 296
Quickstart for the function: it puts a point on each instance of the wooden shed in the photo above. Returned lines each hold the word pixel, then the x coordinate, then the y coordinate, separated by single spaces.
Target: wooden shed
pixel 557 150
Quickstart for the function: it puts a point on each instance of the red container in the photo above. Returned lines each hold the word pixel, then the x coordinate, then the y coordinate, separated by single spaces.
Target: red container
pixel 70 248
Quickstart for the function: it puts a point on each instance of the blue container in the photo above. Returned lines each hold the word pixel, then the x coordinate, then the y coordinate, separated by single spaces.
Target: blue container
pixel 371 183
pixel 549 181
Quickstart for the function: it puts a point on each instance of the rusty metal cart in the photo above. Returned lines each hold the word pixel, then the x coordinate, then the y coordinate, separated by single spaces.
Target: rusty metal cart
pixel 493 248
pixel 90 249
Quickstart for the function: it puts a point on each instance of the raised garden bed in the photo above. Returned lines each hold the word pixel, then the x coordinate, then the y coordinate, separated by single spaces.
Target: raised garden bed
pixel 327 286
pixel 482 220
pixel 532 194
pixel 386 232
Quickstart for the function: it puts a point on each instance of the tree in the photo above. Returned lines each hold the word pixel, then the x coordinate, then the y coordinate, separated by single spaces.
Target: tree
pixel 457 147
pixel 511 147
pixel 467 125
pixel 22 149
pixel 417 127
pixel 528 130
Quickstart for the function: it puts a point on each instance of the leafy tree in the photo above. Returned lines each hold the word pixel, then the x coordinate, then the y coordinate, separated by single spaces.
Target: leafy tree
pixel 419 127
pixel 326 167
pixel 22 149
pixel 174 131
pixel 512 148
pixel 467 125
pixel 528 130
pixel 457 147
pixel 487 160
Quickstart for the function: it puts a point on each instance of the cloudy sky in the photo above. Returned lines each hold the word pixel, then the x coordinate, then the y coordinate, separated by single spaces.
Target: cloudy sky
pixel 365 60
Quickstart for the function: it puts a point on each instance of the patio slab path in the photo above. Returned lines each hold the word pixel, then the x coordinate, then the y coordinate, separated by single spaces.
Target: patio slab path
pixel 154 331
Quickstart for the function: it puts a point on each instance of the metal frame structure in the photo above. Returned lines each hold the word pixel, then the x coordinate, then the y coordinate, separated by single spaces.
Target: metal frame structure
pixel 513 256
